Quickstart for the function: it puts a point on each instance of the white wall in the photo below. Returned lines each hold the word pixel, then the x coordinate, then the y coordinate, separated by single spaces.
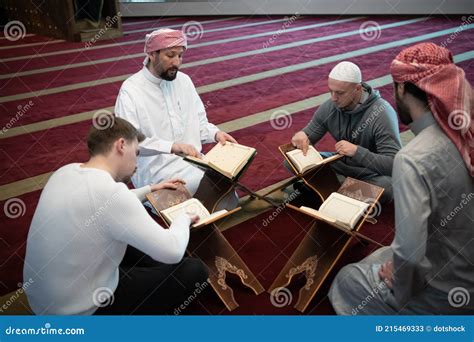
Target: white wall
pixel 315 7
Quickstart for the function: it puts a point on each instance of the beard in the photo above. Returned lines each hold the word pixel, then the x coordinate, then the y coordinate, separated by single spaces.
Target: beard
pixel 159 71
pixel 169 75
pixel 343 108
pixel 403 112
pixel 346 108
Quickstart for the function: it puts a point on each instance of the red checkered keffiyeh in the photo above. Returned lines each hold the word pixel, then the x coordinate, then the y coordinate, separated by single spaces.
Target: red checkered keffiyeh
pixel 431 68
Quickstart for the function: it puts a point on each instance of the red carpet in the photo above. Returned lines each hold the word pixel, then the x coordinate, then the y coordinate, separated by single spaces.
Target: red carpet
pixel 267 249
pixel 264 249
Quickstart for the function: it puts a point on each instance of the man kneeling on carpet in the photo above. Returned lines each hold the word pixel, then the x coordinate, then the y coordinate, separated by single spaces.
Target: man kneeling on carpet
pixel 86 217
pixel 428 269
pixel 363 124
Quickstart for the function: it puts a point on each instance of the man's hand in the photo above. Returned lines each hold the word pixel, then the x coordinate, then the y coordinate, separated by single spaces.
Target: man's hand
pixel 185 149
pixel 386 273
pixel 168 184
pixel 300 140
pixel 346 148
pixel 194 219
pixel 222 137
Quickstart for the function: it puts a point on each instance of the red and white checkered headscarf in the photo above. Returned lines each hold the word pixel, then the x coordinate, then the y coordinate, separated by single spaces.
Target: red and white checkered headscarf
pixel 431 68
pixel 163 39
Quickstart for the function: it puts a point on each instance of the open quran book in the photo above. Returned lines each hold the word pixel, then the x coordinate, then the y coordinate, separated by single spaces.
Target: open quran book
pixel 228 159
pixel 193 207
pixel 304 163
pixel 172 203
pixel 339 210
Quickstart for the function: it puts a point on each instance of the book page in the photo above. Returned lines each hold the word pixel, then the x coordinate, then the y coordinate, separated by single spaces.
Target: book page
pixel 344 209
pixel 330 159
pixel 197 160
pixel 317 213
pixel 230 157
pixel 211 218
pixel 191 207
pixel 303 162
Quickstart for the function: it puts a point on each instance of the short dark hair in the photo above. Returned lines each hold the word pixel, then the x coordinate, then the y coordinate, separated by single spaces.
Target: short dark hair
pixel 416 92
pixel 106 129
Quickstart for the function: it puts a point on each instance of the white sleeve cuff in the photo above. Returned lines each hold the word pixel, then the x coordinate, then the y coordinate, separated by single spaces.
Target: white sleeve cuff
pixel 141 192
pixel 151 147
pixel 212 133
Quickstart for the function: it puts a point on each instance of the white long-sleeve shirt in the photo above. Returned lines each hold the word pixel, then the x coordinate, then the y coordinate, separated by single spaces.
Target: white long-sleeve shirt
pixel 78 237
pixel 166 112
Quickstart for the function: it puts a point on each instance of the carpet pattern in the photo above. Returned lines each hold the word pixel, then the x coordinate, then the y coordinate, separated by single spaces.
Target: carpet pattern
pixel 260 78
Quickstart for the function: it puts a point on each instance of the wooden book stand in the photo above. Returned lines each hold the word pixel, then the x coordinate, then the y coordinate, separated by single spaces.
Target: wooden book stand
pixel 325 243
pixel 208 243
pixel 217 180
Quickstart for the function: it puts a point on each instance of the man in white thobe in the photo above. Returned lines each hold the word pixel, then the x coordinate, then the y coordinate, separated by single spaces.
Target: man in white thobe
pixel 163 103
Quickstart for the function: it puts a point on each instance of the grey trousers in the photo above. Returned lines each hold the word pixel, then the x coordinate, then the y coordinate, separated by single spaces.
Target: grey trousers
pixel 358 290
pixel 342 169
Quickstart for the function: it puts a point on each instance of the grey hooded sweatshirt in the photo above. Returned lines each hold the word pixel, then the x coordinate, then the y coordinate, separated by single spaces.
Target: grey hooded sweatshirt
pixel 372 125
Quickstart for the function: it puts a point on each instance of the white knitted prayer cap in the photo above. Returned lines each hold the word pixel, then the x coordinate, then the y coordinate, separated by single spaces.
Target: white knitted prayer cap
pixel 347 72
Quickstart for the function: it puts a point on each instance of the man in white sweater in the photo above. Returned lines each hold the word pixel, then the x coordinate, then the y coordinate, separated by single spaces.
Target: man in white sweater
pixel 85 219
